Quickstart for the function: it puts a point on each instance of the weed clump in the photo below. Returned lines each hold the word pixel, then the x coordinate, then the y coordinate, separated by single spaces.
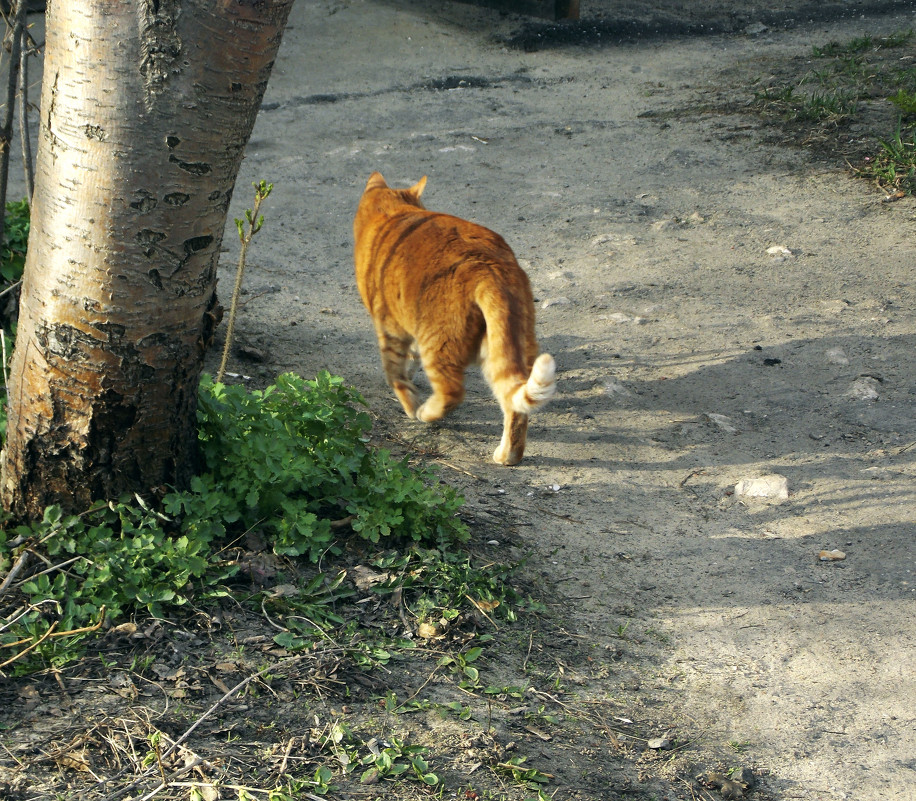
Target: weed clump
pixel 856 99
pixel 291 463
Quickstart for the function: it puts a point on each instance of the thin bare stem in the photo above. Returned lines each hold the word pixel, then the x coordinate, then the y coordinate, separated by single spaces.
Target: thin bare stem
pixel 14 32
pixel 24 556
pixel 24 52
pixel 6 378
pixel 261 191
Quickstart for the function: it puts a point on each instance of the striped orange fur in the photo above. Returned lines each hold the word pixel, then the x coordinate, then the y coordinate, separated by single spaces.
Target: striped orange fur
pixel 448 293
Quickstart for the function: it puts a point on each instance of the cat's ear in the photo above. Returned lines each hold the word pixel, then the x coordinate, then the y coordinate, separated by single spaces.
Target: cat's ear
pixel 376 181
pixel 417 189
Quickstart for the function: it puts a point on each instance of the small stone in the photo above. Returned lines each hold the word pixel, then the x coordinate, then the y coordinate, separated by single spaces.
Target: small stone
pixel 772 487
pixel 747 777
pixel 779 253
pixel 837 356
pixel 562 301
pixel 659 744
pixel 865 388
pixel 616 389
pixel 616 317
pixel 755 29
pixel 564 275
pixel 616 239
pixel 721 421
pixel 831 556
pixel 729 788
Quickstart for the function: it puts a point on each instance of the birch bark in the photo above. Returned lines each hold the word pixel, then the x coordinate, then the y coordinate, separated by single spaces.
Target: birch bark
pixel 146 108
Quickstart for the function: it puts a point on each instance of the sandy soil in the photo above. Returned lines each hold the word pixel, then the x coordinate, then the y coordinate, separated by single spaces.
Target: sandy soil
pixel 691 355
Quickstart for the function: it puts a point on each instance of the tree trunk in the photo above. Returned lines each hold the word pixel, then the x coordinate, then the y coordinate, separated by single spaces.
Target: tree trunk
pixel 146 109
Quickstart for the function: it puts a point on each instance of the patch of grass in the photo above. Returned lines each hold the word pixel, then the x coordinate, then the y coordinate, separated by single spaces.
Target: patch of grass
pixel 904 100
pixel 792 104
pixel 862 44
pixel 126 566
pixel 852 71
pixel 846 106
pixel 893 169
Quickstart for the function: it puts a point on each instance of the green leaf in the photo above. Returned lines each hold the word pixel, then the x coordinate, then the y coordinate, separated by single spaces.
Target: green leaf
pixel 472 653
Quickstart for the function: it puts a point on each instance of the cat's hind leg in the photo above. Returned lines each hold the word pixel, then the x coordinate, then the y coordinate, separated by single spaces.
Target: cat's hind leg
pixel 512 445
pixel 399 362
pixel 413 360
pixel 447 382
pixel 517 397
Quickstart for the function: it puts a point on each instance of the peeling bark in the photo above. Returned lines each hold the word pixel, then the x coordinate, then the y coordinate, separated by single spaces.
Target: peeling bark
pixel 146 110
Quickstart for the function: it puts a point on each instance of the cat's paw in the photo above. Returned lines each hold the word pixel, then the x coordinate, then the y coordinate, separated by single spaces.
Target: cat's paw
pixel 504 455
pixel 430 411
pixel 406 393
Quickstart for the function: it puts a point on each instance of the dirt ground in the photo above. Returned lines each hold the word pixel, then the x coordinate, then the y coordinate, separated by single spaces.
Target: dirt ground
pixel 691 355
pixel 722 306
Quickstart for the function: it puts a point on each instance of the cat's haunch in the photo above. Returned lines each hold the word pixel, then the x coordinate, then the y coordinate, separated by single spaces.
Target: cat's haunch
pixel 448 292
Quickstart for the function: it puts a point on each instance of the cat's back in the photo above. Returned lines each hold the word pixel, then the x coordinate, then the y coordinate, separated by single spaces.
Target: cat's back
pixel 396 219
pixel 406 253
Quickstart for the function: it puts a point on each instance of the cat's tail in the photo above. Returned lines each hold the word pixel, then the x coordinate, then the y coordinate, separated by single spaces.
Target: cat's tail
pixel 510 344
pixel 539 388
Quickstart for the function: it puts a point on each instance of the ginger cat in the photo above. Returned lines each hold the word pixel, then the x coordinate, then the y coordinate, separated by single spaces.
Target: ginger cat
pixel 448 292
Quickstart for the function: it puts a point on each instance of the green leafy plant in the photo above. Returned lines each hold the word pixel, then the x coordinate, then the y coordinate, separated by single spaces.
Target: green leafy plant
pixel 456 708
pixel 291 461
pixel 319 784
pixel 294 461
pixel 543 715
pixel 739 746
pixel 396 759
pixel 111 558
pixel 531 778
pixel 463 664
pixel 308 611
pixel 439 583
pixel 15 241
